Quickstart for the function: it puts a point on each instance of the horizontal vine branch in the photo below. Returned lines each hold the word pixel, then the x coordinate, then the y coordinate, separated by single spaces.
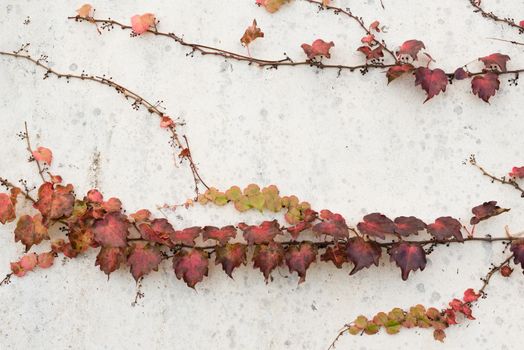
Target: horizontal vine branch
pixel 510 180
pixel 484 82
pixel 165 121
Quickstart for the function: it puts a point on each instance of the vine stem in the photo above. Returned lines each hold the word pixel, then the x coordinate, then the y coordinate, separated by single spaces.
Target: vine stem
pixel 490 274
pixel 30 150
pixel 503 180
pixel 478 9
pixel 127 93
pixel 357 19
pixel 325 244
pixel 284 62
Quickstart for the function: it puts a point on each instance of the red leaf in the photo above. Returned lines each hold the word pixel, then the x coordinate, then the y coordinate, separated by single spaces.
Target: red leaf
pixel 186 236
pixel 318 48
pixel 371 53
pixel 399 70
pixel 506 271
pixel 30 230
pixel 298 258
pixel 84 11
pixel 143 259
pixel 166 122
pixel 336 254
pixel 231 256
pixel 410 225
pixel 264 233
pixel 409 257
pixel 485 211
pixel 432 81
pixel 485 86
pixel 517 172
pixel 495 61
pixel 517 248
pixel 45 260
pixel 470 296
pixel 28 261
pixel 521 24
pixel 7 208
pixel 446 227
pixel 141 23
pixel 141 215
pixel 159 231
pixel 460 74
pixel 81 236
pixel 55 201
pixel 362 253
pixel 95 196
pixel 376 225
pixel 112 205
pixel 112 230
pixel 333 225
pixel 191 265
pixel 252 32
pixel 43 154
pixel 271 5
pixel 411 48
pixel 222 235
pixel 109 259
pixel 295 230
pixel 268 257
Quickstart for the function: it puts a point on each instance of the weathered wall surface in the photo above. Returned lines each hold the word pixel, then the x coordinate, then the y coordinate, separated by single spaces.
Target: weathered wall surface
pixel 348 143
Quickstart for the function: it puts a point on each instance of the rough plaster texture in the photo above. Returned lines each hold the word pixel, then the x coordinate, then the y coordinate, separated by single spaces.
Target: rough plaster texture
pixel 348 143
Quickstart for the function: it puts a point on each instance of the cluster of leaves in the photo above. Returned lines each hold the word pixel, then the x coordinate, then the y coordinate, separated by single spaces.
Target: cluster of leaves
pixel 142 242
pixel 416 316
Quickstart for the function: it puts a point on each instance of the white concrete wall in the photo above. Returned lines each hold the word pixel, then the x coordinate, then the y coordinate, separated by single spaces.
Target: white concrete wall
pixel 348 143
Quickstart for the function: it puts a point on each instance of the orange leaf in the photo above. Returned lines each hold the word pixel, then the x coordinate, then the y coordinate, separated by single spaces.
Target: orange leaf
pixel 252 32
pixel 141 23
pixel 43 154
pixel 84 11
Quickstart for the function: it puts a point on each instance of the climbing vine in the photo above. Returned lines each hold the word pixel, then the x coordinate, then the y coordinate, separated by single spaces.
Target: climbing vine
pixel 69 224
